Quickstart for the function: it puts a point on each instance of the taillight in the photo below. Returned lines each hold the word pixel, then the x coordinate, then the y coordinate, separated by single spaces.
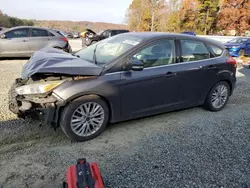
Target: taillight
pixel 232 61
pixel 64 39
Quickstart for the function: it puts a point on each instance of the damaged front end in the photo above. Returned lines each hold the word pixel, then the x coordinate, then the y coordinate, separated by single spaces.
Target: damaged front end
pixel 32 94
pixel 34 97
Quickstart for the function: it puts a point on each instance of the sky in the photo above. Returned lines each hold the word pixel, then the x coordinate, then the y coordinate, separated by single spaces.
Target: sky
pixel 112 11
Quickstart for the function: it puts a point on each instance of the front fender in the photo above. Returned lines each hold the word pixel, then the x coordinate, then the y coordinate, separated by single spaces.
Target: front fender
pixel 102 86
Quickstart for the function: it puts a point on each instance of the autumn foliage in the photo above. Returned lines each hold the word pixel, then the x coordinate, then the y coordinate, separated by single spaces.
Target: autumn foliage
pixel 201 16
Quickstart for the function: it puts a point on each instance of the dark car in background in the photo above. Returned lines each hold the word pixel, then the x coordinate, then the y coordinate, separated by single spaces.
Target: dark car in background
pixel 92 37
pixel 123 77
pixel 24 41
pixel 189 33
pixel 238 46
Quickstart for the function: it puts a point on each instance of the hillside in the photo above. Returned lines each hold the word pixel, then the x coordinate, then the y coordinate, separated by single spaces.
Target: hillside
pixel 78 26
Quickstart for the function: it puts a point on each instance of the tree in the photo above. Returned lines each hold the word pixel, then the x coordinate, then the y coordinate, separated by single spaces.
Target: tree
pixel 234 15
pixel 188 15
pixel 207 15
pixel 145 15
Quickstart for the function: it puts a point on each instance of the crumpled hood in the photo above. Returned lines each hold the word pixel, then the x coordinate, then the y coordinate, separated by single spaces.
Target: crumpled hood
pixel 50 60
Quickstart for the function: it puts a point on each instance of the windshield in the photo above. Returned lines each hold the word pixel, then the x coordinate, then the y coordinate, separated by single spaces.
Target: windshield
pixel 109 49
pixel 238 40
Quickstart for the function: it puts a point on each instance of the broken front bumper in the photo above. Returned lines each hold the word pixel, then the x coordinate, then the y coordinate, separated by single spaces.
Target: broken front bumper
pixel 47 108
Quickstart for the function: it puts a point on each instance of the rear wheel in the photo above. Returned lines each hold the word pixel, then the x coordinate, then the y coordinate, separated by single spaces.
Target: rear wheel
pixel 241 52
pixel 218 96
pixel 84 118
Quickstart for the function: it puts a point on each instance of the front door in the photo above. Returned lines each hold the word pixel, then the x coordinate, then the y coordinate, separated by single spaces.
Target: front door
pixel 154 88
pixel 16 43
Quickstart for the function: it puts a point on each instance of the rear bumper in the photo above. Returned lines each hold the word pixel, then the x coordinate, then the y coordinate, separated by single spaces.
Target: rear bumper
pixel 47 111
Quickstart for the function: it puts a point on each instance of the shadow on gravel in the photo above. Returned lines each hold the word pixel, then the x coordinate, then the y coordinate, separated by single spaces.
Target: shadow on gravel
pixel 25 130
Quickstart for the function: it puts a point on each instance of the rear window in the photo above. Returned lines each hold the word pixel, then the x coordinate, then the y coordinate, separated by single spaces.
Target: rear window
pixel 216 50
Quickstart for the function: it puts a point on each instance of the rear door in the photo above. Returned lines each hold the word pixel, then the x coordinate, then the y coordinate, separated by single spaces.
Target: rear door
pixel 39 39
pixel 198 70
pixel 16 43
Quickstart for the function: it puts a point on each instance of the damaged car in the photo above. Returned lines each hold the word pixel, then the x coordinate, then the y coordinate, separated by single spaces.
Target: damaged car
pixel 124 77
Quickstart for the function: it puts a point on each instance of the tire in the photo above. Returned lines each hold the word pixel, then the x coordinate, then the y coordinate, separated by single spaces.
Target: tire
pixel 72 108
pixel 241 52
pixel 211 95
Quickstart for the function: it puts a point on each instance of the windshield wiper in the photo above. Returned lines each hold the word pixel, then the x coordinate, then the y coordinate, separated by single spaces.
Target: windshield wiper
pixel 94 55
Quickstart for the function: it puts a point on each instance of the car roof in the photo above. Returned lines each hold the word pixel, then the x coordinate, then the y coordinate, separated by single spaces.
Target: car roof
pixel 157 35
pixel 31 27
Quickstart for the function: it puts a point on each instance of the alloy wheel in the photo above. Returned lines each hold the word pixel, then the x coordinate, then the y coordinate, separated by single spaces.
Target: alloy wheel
pixel 87 119
pixel 219 96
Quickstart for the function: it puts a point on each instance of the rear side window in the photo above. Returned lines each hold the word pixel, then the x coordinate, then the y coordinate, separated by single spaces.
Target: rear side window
pixel 50 34
pixel 193 51
pixel 39 33
pixel 216 50
pixel 18 33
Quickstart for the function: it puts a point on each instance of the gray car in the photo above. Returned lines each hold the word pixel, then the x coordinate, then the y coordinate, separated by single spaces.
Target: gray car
pixel 24 41
pixel 123 77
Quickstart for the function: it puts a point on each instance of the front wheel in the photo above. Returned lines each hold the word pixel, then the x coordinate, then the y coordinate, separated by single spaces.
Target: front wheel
pixel 218 96
pixel 84 118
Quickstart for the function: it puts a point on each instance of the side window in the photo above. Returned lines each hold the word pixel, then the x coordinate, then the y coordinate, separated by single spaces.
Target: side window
pixel 50 34
pixel 157 54
pixel 39 33
pixel 216 50
pixel 193 51
pixel 18 33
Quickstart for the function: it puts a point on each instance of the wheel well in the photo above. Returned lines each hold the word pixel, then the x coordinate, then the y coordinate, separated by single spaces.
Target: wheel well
pixel 100 96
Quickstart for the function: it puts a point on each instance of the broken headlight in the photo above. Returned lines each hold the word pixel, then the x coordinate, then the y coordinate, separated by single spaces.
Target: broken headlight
pixel 38 88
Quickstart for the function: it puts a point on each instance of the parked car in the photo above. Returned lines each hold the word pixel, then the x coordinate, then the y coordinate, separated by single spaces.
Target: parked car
pixel 238 46
pixel 24 41
pixel 69 35
pixel 124 77
pixel 76 35
pixel 92 37
pixel 189 33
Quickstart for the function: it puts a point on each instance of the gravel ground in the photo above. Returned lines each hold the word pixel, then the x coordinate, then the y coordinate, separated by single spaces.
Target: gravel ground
pixel 188 148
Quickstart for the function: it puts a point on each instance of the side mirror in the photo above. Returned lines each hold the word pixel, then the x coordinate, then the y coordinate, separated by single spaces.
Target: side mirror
pixel 136 65
pixel 3 36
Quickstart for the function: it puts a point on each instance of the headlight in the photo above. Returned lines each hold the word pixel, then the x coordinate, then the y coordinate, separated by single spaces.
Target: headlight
pixel 38 88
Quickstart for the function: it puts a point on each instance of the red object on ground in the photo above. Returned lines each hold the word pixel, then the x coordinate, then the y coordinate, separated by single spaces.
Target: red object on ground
pixel 83 175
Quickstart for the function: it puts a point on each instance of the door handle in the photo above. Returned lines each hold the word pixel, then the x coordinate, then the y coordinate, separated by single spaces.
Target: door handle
pixel 170 74
pixel 25 40
pixel 212 67
pixel 50 39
